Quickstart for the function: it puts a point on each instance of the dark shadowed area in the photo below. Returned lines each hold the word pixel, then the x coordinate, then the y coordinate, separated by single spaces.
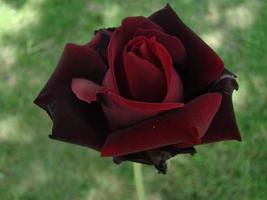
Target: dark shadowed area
pixel 32 37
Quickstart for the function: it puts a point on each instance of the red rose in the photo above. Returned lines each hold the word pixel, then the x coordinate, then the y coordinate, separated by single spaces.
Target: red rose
pixel 144 92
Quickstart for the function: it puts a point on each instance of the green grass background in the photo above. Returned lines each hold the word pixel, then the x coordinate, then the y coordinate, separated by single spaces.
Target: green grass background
pixel 32 37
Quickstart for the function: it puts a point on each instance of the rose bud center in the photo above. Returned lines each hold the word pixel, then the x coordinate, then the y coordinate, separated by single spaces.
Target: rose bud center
pixel 143 70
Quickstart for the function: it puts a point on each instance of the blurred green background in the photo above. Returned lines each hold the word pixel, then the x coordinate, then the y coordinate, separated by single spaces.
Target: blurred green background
pixel 32 37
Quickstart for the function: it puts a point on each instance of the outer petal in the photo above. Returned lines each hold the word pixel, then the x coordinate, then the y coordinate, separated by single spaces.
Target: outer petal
pixel 224 126
pixel 203 64
pixel 187 124
pixel 100 42
pixel 75 121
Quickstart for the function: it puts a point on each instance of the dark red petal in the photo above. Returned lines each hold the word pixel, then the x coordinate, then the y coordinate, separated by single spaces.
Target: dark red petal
pixel 141 46
pixel 174 83
pixel 101 39
pixel 203 65
pixel 145 81
pixel 130 24
pixel 178 126
pixel 224 126
pixel 95 41
pixel 119 111
pixel 118 40
pixel 158 82
pixel 100 43
pixel 76 61
pixel 172 44
pixel 122 112
pixel 75 121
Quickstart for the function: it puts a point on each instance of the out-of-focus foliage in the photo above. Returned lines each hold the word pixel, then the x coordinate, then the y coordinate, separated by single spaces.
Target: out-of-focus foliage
pixel 32 36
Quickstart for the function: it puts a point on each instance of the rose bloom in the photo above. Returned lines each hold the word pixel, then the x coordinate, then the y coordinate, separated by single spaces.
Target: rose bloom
pixel 143 92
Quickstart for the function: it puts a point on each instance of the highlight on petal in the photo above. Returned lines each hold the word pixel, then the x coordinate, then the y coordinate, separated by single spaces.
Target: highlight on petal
pixel 86 90
pixel 180 126
pixel 203 65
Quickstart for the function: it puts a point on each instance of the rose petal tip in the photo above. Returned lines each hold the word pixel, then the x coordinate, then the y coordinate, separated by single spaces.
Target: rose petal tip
pixel 167 6
pixel 35 101
pixel 238 138
pixel 85 90
pixel 107 151
pixel 40 100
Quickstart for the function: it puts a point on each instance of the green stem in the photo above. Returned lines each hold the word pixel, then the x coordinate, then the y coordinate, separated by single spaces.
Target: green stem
pixel 138 178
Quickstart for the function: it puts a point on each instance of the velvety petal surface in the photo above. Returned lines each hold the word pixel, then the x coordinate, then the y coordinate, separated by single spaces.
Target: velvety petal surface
pixel 119 39
pixel 73 120
pixel 100 42
pixel 182 126
pixel 174 83
pixel 203 65
pixel 174 46
pixel 122 112
pixel 149 72
pixel 145 81
pixel 119 111
pixel 77 122
pixel 224 126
